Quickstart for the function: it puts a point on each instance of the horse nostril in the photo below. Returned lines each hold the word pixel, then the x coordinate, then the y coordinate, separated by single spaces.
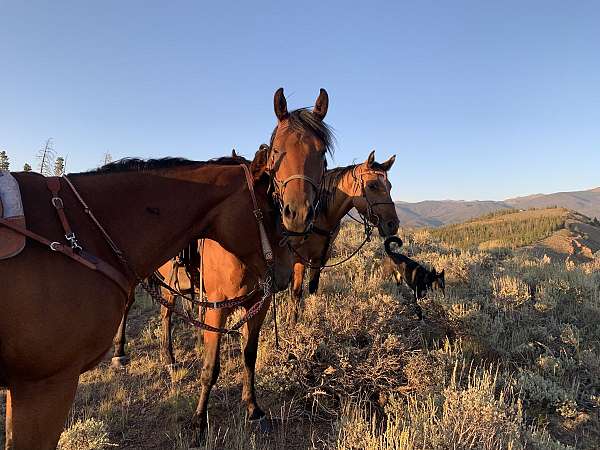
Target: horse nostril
pixel 288 212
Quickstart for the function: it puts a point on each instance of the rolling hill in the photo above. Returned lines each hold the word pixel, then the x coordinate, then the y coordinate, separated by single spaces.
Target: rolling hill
pixel 433 213
pixel 558 233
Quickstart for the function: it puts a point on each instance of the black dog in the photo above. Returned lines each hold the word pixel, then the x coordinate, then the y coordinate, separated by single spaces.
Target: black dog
pixel 417 277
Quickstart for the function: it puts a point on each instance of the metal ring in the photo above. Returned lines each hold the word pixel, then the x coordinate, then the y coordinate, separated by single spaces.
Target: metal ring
pixel 57 202
pixel 54 246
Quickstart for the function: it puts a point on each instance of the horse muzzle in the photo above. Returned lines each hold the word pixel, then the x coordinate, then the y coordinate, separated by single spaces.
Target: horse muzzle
pixel 388 228
pixel 297 218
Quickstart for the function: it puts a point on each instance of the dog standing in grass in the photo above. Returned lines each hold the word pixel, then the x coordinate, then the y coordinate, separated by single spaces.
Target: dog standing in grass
pixel 417 278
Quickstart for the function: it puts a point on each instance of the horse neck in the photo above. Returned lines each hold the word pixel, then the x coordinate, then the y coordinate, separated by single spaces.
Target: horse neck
pixel 340 203
pixel 152 215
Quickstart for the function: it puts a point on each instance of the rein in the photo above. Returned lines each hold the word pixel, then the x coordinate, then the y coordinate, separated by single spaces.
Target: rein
pixel 329 236
pixel 367 223
pixel 266 285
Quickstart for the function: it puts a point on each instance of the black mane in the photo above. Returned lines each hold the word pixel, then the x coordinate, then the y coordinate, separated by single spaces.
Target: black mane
pixel 301 120
pixel 329 185
pixel 143 165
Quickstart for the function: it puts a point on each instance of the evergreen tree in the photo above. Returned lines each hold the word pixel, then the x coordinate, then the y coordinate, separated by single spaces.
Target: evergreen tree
pixel 4 162
pixel 59 166
pixel 26 167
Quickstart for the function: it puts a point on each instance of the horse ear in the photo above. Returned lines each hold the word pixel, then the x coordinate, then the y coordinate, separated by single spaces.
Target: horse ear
pixel 280 104
pixel 233 153
pixel 371 159
pixel 388 164
pixel 322 104
pixel 259 164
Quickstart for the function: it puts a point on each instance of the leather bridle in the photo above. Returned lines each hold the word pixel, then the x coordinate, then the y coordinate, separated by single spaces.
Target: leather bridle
pixel 364 193
pixel 278 187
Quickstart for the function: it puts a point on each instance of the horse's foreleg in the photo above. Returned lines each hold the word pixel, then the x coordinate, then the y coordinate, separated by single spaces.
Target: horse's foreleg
pixel 210 368
pixel 313 284
pixel 250 349
pixel 166 341
pixel 36 411
pixel 120 359
pixel 299 270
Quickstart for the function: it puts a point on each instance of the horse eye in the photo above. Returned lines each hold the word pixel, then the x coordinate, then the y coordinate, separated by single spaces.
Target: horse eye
pixel 373 186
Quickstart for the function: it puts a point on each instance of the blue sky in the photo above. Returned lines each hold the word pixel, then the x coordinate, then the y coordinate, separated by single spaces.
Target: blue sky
pixel 479 100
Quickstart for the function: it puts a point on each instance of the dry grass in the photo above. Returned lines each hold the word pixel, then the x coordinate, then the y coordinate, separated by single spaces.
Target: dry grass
pixel 510 358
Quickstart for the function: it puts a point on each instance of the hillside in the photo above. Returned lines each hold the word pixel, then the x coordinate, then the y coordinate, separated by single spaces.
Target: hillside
pixel 555 232
pixel 434 213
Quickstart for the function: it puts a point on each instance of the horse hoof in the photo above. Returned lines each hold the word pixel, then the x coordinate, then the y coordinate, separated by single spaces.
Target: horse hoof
pixel 260 422
pixel 198 438
pixel 171 368
pixel 119 362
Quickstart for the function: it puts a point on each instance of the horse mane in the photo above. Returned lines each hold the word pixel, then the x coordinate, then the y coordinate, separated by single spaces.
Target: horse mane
pixel 142 165
pixel 332 178
pixel 301 120
pixel 329 185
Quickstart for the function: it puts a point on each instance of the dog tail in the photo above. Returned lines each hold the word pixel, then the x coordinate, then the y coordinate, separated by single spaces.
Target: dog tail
pixel 388 247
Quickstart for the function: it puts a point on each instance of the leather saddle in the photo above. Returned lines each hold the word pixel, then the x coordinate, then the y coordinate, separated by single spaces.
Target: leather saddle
pixel 11 209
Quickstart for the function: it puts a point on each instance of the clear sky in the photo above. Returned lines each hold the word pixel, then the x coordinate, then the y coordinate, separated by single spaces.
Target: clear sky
pixel 479 100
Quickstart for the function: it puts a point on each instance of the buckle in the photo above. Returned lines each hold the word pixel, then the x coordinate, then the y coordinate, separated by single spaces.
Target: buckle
pixel 258 214
pixel 57 202
pixel 54 246
pixel 73 241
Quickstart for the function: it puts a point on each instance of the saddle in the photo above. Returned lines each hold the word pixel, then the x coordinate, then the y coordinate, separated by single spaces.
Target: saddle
pixel 11 209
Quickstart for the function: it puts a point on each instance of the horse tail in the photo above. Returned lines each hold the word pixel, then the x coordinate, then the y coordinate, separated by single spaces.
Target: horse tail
pixel 388 248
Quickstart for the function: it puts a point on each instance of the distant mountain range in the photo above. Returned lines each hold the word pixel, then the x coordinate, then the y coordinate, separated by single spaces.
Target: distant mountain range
pixel 433 213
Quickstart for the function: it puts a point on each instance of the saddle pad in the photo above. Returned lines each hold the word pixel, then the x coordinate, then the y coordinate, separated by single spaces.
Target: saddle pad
pixel 11 209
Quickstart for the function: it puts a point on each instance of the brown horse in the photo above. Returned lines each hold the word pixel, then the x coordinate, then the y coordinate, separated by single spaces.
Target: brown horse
pixel 363 186
pixel 301 136
pixel 59 317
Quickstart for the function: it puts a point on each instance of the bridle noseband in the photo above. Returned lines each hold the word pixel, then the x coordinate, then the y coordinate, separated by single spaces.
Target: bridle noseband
pixel 278 187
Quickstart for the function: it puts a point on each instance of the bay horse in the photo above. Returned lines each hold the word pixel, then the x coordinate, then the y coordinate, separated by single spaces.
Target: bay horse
pixel 227 276
pixel 59 317
pixel 362 186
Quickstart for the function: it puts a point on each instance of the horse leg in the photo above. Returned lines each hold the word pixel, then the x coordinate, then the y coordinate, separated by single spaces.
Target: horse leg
pixel 166 342
pixel 36 411
pixel 210 369
pixel 299 270
pixel 120 359
pixel 250 349
pixel 313 284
